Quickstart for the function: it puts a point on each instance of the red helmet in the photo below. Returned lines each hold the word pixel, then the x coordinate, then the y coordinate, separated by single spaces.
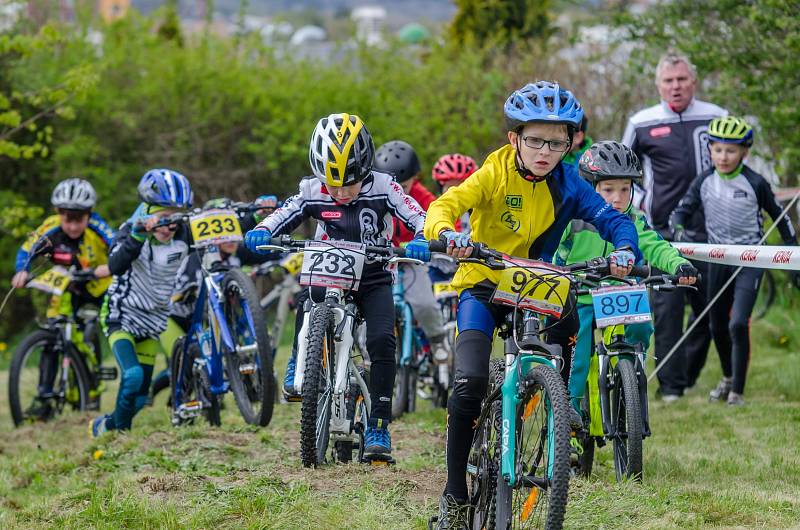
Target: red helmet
pixel 453 167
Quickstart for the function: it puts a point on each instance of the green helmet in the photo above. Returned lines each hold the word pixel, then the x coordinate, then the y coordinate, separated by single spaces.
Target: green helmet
pixel 730 130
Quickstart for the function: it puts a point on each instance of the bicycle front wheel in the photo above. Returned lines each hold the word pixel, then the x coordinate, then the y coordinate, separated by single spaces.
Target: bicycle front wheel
pixel 541 454
pixel 483 465
pixel 626 421
pixel 43 380
pixel 249 367
pixel 315 411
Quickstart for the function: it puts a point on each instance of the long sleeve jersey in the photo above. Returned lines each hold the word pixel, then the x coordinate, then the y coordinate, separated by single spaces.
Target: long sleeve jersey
pixel 732 208
pixel 366 219
pixel 523 218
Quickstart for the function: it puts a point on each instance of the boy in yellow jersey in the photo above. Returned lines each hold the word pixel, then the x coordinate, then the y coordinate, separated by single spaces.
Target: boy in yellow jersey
pixel 75 235
pixel 521 200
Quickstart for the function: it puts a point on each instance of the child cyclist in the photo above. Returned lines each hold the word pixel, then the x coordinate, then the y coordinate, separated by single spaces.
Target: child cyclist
pixel 352 202
pixel 398 158
pixel 612 169
pixel 731 195
pixel 78 231
pixel 521 199
pixel 144 261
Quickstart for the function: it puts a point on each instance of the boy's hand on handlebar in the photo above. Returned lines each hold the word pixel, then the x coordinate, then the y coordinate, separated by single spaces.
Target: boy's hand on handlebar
pixel 256 238
pixel 687 274
pixel 418 248
pixel 621 262
pixel 20 279
pixel 458 245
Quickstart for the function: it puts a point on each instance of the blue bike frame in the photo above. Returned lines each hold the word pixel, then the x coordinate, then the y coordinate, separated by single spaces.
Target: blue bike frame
pixel 411 339
pixel 212 362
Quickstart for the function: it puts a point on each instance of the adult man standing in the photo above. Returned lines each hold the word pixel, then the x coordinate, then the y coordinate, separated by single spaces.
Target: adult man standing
pixel 671 140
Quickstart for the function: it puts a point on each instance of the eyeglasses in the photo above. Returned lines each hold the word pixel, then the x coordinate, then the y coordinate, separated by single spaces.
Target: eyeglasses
pixel 558 146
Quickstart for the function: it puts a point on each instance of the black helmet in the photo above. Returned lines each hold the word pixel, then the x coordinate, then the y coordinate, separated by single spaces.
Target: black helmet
pixel 398 159
pixel 609 160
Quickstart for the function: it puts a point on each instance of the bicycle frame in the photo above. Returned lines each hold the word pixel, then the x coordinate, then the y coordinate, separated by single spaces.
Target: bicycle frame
pixel 280 294
pixel 518 363
pixel 409 339
pixel 210 298
pixel 345 318
pixel 612 348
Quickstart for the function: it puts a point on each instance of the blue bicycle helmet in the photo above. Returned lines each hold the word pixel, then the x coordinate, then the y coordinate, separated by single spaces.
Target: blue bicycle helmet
pixel 164 187
pixel 542 102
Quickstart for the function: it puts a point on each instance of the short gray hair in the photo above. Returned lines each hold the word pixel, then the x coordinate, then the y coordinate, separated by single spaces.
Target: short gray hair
pixel 672 58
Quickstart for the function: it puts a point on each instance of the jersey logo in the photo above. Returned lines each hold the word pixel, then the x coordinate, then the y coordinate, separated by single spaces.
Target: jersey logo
pixel 331 215
pixel 739 194
pixel 368 221
pixel 659 132
pixel 510 221
pixel 514 202
pixel 173 257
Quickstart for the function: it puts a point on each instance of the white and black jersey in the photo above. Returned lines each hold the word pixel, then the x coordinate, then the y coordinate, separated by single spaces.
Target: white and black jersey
pixel 144 277
pixel 673 149
pixel 732 208
pixel 366 219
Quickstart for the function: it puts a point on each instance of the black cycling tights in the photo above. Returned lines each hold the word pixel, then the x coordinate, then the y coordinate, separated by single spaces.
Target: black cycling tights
pixel 730 319
pixel 476 316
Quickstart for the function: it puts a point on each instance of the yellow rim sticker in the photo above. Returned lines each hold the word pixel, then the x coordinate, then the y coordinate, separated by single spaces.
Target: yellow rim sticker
pixel 215 226
pixel 534 285
pixel 54 281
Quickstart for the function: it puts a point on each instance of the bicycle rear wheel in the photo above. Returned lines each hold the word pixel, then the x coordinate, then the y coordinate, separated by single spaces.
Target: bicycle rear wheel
pixel 69 382
pixel 317 392
pixel 626 420
pixel 483 465
pixel 541 445
pixel 249 368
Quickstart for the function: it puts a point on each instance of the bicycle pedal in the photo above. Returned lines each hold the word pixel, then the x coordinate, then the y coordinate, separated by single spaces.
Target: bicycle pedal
pixel 190 409
pixel 379 460
pixel 106 373
pixel 247 369
pixel 292 398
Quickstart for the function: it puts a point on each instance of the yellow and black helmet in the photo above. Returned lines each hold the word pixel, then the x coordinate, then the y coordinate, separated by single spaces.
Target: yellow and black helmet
pixel 730 130
pixel 341 150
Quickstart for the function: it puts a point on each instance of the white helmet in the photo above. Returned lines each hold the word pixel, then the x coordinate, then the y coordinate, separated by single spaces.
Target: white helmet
pixel 341 151
pixel 74 194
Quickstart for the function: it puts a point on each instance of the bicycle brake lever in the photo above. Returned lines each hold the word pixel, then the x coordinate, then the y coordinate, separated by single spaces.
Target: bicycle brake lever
pixel 398 259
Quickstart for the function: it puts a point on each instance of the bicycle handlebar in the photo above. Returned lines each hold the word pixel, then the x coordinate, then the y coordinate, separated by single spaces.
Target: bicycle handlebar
pixel 286 242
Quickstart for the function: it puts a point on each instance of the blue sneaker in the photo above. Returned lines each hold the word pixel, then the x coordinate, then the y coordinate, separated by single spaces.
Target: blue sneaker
pixel 97 427
pixel 377 441
pixel 288 380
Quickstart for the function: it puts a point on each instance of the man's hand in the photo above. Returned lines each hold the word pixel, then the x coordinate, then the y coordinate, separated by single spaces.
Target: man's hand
pixel 687 274
pixel 458 245
pixel 621 262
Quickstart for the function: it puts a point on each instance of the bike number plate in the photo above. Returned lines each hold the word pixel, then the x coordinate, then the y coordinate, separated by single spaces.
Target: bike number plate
pixel 293 263
pixel 54 281
pixel 620 304
pixel 215 226
pixel 333 264
pixel 442 290
pixel 536 286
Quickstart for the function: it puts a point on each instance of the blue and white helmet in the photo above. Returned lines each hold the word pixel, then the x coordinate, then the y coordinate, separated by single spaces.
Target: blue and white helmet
pixel 165 187
pixel 542 102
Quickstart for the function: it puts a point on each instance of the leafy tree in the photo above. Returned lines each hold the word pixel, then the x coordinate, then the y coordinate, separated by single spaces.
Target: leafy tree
pixel 748 57
pixel 501 23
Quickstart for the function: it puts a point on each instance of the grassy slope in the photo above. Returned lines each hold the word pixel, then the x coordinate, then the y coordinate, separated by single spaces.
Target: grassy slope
pixel 706 466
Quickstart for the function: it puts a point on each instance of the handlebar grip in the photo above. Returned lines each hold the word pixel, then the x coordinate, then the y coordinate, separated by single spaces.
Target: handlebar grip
pixel 437 245
pixel 640 271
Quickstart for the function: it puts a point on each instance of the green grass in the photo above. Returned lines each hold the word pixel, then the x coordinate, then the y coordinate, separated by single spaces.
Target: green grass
pixel 706 466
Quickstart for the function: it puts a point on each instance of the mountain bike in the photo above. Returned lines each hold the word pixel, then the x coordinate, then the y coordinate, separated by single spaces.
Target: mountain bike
pixel 615 405
pixel 227 346
pixel 57 367
pixel 518 464
pixel 335 396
